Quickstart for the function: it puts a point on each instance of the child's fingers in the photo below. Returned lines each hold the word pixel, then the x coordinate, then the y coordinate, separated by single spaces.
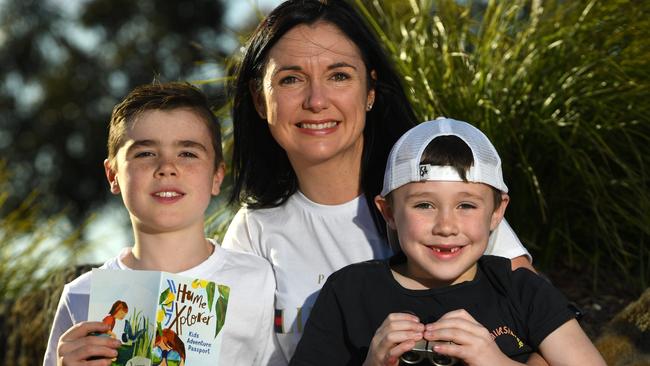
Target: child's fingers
pixel 397 334
pixel 470 348
pixel 401 317
pixel 460 328
pixel 83 329
pixel 88 355
pixel 458 314
pixel 399 326
pixel 457 331
pixel 76 346
pixel 392 338
pixel 457 319
pixel 454 323
pixel 403 321
pixel 390 356
pixel 386 338
pixel 450 349
pixel 471 341
pixel 79 336
pixel 87 347
pixel 397 351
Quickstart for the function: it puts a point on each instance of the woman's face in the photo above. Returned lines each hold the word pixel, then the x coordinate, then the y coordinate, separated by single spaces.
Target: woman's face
pixel 314 95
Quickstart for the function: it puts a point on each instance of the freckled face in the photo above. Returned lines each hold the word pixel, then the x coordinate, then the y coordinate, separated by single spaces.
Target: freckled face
pixel 314 95
pixel 443 228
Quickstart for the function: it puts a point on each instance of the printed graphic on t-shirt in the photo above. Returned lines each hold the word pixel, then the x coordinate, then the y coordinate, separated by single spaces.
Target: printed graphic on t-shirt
pixel 506 331
pixel 510 343
pixel 288 321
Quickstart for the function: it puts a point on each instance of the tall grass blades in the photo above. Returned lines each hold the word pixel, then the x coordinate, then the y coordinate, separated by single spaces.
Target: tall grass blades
pixel 32 248
pixel 561 87
pixel 142 346
pixel 36 257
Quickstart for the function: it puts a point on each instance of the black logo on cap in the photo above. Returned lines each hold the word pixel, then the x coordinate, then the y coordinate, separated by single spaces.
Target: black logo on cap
pixel 424 171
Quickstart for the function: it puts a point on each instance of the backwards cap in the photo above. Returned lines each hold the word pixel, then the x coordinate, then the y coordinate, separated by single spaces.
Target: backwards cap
pixel 404 160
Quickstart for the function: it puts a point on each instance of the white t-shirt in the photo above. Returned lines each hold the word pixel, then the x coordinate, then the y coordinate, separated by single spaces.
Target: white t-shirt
pixel 305 242
pixel 248 330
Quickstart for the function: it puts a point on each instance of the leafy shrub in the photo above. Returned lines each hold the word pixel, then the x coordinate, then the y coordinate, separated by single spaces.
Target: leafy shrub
pixel 32 247
pixel 561 87
pixel 38 256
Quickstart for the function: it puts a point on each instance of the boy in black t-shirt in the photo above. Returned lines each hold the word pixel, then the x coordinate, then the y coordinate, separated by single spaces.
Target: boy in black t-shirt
pixel 441 300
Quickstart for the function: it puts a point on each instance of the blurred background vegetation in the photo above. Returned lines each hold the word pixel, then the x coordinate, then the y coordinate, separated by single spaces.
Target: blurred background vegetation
pixel 561 87
pixel 66 64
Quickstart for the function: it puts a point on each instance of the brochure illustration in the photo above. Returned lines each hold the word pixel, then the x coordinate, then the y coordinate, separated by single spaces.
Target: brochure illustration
pixel 161 318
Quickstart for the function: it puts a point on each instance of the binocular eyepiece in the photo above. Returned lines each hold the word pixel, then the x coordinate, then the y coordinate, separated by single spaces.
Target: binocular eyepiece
pixel 423 351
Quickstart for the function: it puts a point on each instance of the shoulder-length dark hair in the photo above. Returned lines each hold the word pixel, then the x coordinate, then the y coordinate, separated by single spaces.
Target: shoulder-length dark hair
pixel 263 176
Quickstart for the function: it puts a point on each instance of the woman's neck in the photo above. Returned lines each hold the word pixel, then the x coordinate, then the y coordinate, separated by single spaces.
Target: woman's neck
pixel 332 182
pixel 173 252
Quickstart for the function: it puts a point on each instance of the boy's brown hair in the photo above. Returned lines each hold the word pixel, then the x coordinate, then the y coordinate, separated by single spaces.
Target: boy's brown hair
pixel 166 97
pixel 453 151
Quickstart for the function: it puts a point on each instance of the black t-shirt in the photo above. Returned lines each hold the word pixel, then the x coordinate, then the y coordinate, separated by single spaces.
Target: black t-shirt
pixel 519 308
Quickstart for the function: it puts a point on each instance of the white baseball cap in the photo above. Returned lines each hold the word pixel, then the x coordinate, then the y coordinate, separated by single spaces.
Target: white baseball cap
pixel 404 160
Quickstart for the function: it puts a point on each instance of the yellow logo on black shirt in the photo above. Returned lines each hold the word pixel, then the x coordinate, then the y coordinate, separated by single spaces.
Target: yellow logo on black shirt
pixel 505 330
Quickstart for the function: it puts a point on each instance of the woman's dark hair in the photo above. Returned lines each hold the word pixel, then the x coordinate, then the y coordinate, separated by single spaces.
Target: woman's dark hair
pixel 263 176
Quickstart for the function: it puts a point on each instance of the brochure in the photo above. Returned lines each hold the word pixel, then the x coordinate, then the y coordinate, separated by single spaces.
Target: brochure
pixel 161 318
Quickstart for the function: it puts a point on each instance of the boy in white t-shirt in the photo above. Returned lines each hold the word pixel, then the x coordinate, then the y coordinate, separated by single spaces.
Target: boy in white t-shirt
pixel 165 160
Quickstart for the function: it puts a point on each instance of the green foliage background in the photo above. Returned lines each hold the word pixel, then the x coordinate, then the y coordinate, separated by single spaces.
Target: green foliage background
pixel 561 87
pixel 65 64
pixel 32 247
pixel 34 253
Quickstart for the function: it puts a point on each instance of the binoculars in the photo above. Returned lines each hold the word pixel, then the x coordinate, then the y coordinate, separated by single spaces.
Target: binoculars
pixel 423 354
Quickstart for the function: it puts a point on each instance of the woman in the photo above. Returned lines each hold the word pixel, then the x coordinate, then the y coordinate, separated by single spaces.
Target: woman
pixel 317 108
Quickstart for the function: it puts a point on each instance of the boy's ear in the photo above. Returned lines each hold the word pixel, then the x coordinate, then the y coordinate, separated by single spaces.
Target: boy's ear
pixel 217 179
pixel 258 98
pixel 111 176
pixel 386 211
pixel 499 212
